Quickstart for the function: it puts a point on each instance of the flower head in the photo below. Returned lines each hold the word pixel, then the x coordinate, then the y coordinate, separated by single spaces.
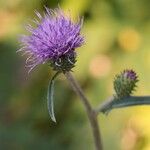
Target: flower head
pixel 125 83
pixel 130 74
pixel 54 40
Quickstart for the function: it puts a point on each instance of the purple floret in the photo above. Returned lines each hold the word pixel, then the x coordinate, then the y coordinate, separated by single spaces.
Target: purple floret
pixel 54 36
pixel 130 74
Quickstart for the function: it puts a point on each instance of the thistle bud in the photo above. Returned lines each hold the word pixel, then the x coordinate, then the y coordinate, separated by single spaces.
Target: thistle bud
pixel 125 83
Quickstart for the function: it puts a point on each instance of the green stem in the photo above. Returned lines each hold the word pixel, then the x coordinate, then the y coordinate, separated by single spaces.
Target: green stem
pixel 112 103
pixel 90 111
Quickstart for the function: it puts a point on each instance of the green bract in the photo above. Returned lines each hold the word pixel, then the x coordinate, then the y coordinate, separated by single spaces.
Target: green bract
pixel 125 83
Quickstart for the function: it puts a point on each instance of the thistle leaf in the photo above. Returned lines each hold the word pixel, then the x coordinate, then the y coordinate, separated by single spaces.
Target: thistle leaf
pixel 50 97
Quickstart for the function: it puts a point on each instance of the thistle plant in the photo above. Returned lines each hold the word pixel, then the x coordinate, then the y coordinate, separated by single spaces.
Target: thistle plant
pixel 53 40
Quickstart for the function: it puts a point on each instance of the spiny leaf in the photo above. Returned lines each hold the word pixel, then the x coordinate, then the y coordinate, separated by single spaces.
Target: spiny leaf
pixel 50 97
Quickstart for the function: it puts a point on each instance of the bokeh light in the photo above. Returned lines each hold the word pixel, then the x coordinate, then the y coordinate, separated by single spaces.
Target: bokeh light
pixel 129 39
pixel 100 66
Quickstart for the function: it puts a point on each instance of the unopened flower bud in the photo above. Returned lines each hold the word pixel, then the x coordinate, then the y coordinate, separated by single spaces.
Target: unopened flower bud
pixel 125 83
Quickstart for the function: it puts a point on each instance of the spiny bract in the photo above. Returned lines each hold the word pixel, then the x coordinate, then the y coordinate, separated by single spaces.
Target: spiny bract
pixel 125 83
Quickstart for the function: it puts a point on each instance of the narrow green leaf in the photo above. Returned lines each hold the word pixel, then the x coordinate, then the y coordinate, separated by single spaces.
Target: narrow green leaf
pixel 126 102
pixel 50 97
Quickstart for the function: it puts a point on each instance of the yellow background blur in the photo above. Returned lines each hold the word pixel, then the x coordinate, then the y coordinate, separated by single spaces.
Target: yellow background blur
pixel 117 34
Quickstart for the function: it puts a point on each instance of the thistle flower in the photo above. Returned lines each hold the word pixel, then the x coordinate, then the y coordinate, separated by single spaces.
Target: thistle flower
pixel 125 83
pixel 53 40
pixel 129 74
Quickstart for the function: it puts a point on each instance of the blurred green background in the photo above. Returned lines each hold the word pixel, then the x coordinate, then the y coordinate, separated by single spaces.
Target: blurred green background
pixel 117 34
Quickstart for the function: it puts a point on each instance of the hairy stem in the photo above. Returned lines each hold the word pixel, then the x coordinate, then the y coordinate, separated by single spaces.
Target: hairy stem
pixel 113 103
pixel 90 111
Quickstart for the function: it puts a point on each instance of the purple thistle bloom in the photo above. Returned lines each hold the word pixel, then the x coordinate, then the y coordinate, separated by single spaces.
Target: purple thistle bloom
pixel 54 37
pixel 130 74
